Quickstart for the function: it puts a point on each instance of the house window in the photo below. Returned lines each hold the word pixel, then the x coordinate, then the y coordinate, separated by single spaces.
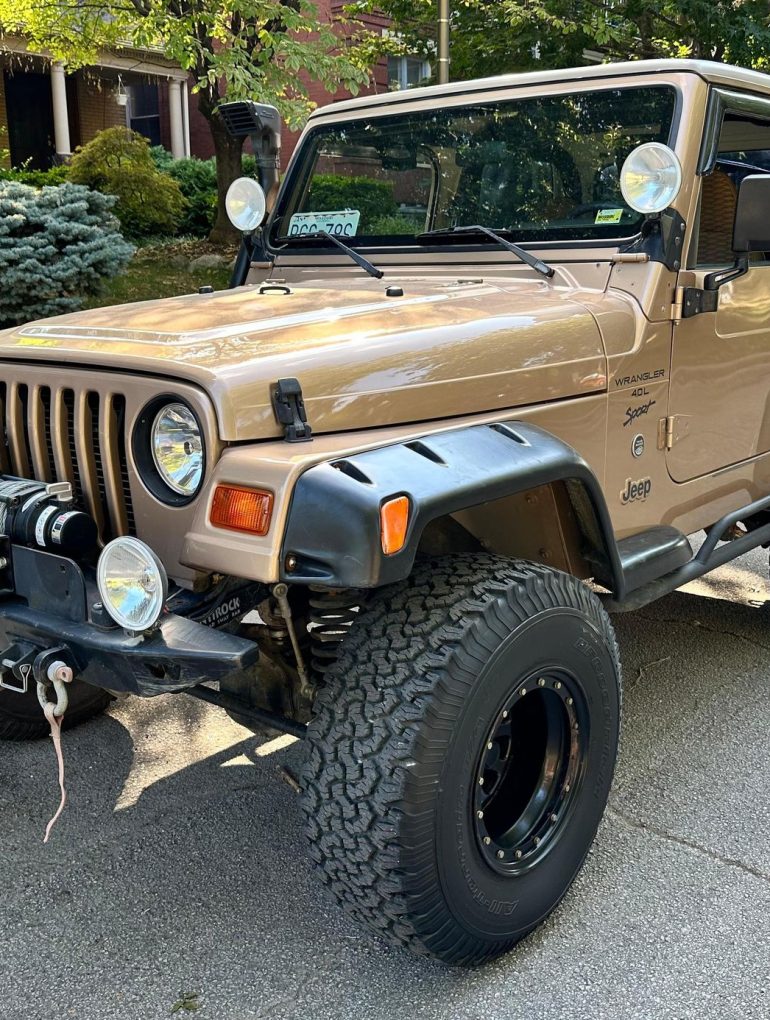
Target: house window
pixel 407 72
pixel 144 111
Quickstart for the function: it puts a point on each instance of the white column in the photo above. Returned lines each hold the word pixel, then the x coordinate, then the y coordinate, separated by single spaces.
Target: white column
pixel 175 118
pixel 61 127
pixel 186 118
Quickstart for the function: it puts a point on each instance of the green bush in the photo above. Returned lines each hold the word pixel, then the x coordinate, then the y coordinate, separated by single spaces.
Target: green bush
pixel 398 224
pixel 374 199
pixel 57 246
pixel 37 178
pixel 197 180
pixel 119 162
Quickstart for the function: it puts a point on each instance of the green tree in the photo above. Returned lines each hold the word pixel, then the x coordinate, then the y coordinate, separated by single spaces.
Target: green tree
pixel 498 36
pixel 235 49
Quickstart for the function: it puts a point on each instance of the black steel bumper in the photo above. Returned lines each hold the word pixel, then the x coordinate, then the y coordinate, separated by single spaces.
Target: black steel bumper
pixel 53 604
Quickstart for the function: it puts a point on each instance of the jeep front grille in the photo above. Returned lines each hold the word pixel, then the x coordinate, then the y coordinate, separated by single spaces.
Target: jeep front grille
pixel 72 433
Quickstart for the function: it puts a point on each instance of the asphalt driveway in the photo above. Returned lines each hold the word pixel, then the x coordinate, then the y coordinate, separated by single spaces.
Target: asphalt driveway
pixel 179 866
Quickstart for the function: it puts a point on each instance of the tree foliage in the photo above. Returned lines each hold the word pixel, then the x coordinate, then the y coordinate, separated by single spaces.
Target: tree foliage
pixel 234 49
pixel 497 36
pixel 57 246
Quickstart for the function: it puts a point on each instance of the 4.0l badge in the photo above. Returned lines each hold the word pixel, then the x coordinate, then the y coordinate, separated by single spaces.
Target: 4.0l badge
pixel 636 490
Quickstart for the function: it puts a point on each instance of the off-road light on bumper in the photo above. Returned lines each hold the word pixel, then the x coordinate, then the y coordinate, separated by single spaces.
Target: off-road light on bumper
pixel 132 583
pixel 240 509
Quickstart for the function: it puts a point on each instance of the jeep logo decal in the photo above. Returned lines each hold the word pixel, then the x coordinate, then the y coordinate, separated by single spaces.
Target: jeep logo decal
pixel 636 490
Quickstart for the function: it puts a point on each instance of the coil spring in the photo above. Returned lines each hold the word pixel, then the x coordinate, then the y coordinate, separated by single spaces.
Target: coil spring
pixel 330 618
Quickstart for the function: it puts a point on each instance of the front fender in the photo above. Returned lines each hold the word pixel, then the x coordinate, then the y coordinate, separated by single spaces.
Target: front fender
pixel 332 537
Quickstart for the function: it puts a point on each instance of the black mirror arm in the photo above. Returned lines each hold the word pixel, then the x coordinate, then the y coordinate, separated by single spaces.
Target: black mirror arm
pixel 713 281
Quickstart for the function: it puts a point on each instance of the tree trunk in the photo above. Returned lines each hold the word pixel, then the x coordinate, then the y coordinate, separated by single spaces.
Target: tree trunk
pixel 227 152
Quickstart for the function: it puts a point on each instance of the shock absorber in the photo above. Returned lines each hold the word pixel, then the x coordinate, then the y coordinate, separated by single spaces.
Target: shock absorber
pixel 329 619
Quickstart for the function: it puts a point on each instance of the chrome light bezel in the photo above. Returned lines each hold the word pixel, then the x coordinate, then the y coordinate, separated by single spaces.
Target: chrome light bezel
pixel 152 562
pixel 142 448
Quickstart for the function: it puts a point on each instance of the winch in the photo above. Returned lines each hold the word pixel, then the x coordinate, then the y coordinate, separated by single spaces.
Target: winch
pixel 43 515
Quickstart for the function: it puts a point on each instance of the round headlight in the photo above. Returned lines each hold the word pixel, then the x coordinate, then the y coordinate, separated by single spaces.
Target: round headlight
pixel 651 177
pixel 177 448
pixel 132 583
pixel 246 204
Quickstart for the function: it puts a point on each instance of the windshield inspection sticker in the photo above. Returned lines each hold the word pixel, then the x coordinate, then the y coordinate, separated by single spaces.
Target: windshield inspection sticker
pixel 343 223
pixel 609 216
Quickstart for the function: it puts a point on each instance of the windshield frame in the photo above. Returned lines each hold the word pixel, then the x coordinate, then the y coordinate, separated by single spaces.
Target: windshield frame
pixel 503 94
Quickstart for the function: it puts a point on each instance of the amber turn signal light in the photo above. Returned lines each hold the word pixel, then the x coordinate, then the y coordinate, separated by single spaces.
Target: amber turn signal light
pixel 240 509
pixel 394 520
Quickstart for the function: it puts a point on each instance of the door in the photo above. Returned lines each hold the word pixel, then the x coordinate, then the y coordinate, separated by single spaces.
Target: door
pixel 720 367
pixel 30 119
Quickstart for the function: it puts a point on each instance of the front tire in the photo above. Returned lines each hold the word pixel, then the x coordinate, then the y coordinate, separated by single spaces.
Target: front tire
pixel 21 717
pixel 462 753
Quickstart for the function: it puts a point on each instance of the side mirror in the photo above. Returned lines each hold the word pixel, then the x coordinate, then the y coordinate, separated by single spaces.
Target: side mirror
pixel 751 231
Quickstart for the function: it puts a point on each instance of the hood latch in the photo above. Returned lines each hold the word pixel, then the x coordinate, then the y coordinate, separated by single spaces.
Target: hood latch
pixel 289 408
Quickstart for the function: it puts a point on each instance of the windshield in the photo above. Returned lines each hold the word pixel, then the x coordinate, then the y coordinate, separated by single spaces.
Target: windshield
pixel 544 168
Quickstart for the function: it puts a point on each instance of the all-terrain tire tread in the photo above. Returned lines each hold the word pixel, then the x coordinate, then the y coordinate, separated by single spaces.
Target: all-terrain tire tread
pixel 410 658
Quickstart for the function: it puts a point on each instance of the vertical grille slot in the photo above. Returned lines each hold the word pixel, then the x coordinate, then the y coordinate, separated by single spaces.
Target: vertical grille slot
pixel 5 460
pixel 119 405
pixel 69 444
pixel 99 491
pixel 45 400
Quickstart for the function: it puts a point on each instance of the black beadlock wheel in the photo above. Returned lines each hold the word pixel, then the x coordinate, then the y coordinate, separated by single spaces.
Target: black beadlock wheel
pixel 21 717
pixel 462 752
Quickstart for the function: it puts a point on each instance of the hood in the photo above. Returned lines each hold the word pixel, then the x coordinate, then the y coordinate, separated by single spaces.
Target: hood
pixel 363 359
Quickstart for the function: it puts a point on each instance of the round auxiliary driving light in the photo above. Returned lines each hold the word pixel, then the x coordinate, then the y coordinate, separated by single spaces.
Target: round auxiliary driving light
pixel 177 448
pixel 651 178
pixel 245 203
pixel 132 583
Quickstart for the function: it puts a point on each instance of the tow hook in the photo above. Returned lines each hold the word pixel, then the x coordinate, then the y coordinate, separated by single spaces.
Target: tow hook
pixel 57 675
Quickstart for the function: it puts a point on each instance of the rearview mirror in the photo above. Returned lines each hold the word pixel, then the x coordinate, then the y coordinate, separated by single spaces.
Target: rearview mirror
pixel 751 231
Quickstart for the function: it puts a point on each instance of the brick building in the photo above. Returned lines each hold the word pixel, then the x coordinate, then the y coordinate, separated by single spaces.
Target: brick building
pixel 47 113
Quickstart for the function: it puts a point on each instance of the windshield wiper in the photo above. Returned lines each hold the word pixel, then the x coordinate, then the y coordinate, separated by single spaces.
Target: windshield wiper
pixel 324 235
pixel 537 264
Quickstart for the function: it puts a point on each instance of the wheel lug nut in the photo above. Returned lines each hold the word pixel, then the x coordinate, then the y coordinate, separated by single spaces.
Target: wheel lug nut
pixel 569 701
pixel 523 691
pixel 541 682
pixel 557 685
pixel 518 855
pixel 536 841
pixel 500 854
pixel 479 815
pixel 505 715
pixel 487 840
pixel 481 781
pixel 566 787
pixel 554 818
pixel 490 745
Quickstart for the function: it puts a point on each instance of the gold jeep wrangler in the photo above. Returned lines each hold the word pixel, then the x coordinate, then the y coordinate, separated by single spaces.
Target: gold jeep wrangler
pixel 497 350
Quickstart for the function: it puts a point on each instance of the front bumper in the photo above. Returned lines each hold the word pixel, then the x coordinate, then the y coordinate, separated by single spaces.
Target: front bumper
pixel 53 604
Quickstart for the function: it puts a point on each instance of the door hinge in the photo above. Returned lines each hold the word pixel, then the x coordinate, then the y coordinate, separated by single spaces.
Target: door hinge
pixel 689 301
pixel 672 429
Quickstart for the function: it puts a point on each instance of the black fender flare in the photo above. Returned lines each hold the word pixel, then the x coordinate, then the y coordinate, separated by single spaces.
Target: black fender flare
pixel 332 536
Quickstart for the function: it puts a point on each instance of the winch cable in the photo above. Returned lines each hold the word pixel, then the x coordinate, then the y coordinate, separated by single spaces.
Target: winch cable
pixel 55 722
pixel 59 674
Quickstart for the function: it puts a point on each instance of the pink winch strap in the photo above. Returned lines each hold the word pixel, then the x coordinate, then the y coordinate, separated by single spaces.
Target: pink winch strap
pixel 55 725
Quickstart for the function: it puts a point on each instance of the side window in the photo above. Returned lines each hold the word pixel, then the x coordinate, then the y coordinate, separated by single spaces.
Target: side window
pixel 744 148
